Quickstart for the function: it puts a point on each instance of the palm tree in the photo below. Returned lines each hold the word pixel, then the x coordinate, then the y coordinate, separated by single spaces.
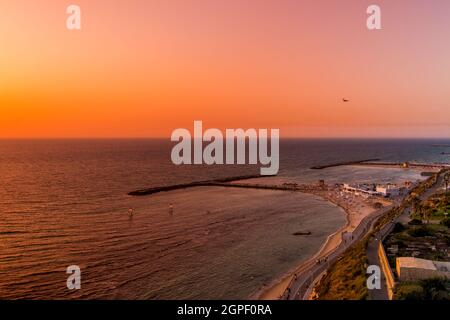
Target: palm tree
pixel 446 178
pixel 426 213
pixel 417 207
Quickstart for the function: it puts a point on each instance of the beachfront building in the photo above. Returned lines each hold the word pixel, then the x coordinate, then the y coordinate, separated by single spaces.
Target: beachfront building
pixel 389 190
pixel 413 269
pixel 365 190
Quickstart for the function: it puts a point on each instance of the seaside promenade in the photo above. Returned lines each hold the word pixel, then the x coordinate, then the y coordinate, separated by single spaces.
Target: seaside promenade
pixel 301 286
pixel 301 283
pixel 380 236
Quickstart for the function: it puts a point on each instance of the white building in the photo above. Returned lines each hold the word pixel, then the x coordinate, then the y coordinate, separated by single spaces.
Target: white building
pixel 361 190
pixel 389 190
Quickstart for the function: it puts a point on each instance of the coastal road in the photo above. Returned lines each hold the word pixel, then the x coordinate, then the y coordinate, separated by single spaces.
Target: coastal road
pixel 372 248
pixel 439 184
pixel 300 284
pixel 373 259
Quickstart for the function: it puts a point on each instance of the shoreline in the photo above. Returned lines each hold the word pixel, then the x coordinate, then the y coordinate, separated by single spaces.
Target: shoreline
pixel 354 216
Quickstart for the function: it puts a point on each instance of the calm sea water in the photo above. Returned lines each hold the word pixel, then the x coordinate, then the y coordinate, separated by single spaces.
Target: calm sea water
pixel 64 202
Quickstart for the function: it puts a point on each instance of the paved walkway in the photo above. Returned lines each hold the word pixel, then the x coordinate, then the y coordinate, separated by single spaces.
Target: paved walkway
pixel 372 248
pixel 299 287
pixel 373 259
pixel 312 269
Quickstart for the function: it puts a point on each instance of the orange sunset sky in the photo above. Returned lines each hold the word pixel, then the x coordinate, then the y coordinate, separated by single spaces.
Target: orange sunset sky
pixel 144 68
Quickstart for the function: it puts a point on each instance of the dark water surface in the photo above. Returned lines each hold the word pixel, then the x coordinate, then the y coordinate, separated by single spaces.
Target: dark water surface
pixel 64 202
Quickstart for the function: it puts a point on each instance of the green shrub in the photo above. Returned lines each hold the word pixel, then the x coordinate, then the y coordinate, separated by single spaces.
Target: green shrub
pixel 435 289
pixel 346 278
pixel 447 239
pixel 398 227
pixel 415 222
pixel 409 291
pixel 428 289
pixel 420 232
pixel 446 222
pixel 400 243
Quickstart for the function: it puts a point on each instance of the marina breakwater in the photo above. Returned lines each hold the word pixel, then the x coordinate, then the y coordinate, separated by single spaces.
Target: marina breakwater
pixel 345 163
pixel 231 182
pixel 377 162
pixel 405 165
pixel 153 190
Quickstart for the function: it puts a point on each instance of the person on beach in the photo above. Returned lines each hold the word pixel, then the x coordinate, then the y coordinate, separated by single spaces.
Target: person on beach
pixel 171 209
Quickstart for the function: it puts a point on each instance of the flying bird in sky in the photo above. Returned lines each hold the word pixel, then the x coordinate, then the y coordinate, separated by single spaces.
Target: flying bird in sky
pixel 345 100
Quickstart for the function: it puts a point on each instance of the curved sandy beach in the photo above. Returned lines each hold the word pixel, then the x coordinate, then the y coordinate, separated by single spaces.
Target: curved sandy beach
pixel 356 209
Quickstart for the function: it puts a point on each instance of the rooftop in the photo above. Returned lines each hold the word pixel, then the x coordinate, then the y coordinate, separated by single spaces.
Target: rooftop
pixel 410 262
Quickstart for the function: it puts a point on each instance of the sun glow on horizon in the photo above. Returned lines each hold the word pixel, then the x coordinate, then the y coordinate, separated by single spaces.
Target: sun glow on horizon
pixel 144 68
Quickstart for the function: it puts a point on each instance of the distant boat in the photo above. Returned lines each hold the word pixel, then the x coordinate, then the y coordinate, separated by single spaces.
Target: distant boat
pixel 302 233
